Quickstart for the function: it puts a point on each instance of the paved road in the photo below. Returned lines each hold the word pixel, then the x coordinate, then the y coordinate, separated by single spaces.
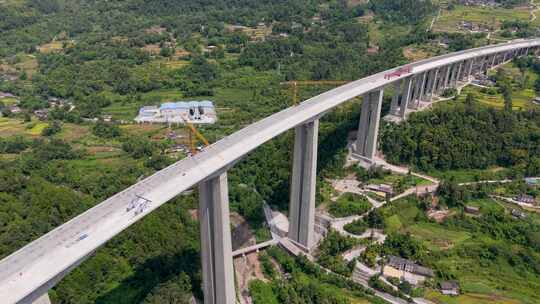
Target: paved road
pixel 256 247
pixel 37 266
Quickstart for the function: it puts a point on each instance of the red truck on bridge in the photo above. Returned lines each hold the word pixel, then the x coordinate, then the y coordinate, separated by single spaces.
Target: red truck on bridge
pixel 398 72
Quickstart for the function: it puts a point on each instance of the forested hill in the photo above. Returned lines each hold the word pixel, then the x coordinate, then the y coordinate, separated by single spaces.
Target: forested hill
pixel 467 136
pixel 102 52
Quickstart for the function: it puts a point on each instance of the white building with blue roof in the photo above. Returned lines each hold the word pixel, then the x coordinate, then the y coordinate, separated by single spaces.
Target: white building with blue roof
pixel 198 112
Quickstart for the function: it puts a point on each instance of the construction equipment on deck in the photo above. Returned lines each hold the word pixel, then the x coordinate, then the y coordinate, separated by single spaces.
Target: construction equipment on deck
pixel 399 72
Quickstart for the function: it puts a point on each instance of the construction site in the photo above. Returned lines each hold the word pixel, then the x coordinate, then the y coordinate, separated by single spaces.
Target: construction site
pixel 197 112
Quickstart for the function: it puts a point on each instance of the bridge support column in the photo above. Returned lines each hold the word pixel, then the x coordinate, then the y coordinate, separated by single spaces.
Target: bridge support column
pixel 440 80
pixel 433 86
pixel 421 93
pixel 471 65
pixel 216 246
pixel 416 92
pixel 440 85
pixel 484 65
pixel 395 99
pixel 303 185
pixel 451 76
pixel 446 77
pixel 368 130
pixel 405 97
pixel 428 93
pixel 458 75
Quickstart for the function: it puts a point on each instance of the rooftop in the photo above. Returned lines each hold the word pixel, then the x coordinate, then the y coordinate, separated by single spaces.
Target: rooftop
pixel 447 285
pixel 409 266
pixel 186 104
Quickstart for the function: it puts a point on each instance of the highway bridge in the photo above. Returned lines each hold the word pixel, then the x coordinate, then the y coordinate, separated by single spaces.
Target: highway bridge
pixel 27 274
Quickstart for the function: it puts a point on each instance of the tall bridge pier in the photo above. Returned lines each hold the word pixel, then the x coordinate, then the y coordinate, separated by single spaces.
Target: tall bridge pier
pixel 216 246
pixel 303 184
pixel 368 130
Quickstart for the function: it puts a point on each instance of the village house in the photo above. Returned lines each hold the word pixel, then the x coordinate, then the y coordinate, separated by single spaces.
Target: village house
pixel 387 189
pixel 490 3
pixel 406 270
pixel 472 210
pixel 42 114
pixel 527 199
pixel 450 288
pixel 373 49
pixel 210 48
pixel 483 80
pixel 14 109
pixel 518 214
pixel 6 95
pixel 532 181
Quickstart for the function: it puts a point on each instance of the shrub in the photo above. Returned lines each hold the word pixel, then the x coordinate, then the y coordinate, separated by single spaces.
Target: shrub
pixel 357 227
pixel 349 204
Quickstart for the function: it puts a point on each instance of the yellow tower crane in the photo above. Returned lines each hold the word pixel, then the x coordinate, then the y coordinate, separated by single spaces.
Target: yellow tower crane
pixel 294 84
pixel 195 133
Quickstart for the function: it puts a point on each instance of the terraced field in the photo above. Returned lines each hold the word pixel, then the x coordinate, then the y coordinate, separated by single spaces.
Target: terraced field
pixel 491 18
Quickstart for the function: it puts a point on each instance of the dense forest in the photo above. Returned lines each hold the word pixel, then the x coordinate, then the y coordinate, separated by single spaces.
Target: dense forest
pixel 100 67
pixel 466 136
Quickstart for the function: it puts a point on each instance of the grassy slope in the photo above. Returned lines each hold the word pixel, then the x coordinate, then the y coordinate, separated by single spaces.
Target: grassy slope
pixel 496 283
pixel 491 17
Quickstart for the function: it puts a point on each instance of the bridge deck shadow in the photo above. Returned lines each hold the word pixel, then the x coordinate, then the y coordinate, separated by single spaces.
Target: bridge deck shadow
pixel 154 272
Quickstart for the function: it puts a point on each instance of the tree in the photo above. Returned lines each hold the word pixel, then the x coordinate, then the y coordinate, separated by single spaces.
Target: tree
pixel 166 51
pixel 469 99
pixel 105 130
pixel 375 219
pixel 174 291
pixel 262 293
pixel 53 128
pixel 403 245
pixel 507 95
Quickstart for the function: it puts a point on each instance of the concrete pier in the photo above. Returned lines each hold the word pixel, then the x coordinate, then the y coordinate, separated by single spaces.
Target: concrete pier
pixel 303 185
pixel 458 74
pixel 421 95
pixel 469 72
pixel 405 97
pixel 414 96
pixel 395 99
pixel 216 246
pixel 368 130
pixel 447 77
pixel 434 82
pixel 419 90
